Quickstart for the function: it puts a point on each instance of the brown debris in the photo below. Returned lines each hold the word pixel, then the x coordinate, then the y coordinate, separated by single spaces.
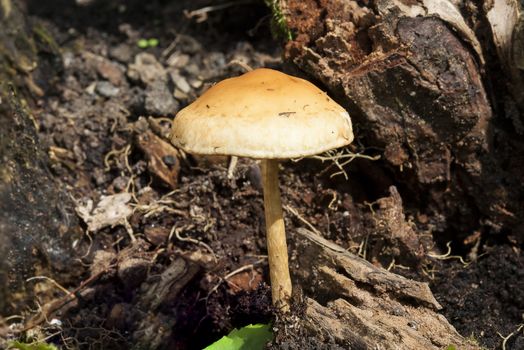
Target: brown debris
pixel 158 293
pixel 162 158
pixel 247 281
pixel 395 236
pixel 156 234
pixel 359 303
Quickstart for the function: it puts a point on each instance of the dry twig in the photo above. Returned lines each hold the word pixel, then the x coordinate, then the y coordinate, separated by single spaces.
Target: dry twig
pixel 202 13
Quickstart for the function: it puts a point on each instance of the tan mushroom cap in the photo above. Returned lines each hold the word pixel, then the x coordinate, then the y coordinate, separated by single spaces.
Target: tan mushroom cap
pixel 262 114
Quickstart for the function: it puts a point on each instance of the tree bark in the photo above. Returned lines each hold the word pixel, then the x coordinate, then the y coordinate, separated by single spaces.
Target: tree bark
pixel 37 224
pixel 411 77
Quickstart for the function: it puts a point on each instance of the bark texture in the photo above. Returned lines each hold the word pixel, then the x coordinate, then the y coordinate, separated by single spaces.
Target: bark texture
pixel 410 74
pixel 360 306
pixel 37 224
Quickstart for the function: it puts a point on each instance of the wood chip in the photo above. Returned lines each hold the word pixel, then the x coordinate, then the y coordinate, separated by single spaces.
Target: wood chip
pixel 163 160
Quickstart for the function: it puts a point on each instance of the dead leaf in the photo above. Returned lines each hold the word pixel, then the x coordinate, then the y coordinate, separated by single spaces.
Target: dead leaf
pixel 111 211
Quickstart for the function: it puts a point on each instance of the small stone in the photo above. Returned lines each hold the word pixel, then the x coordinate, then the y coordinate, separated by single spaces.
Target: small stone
pixel 106 89
pixel 169 160
pixel 180 95
pixel 192 69
pixel 120 183
pixel 110 71
pixel 90 89
pixel 180 82
pixel 159 100
pixel 195 83
pixel 178 60
pixel 68 59
pixel 122 53
pixel 100 177
pixel 146 68
pixel 129 31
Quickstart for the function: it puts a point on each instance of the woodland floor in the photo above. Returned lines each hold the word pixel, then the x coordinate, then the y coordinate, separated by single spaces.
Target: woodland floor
pixel 91 120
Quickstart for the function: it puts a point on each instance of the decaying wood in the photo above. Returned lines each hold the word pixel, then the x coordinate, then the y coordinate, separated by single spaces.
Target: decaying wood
pixel 410 75
pixel 154 329
pixel 391 234
pixel 162 157
pixel 357 305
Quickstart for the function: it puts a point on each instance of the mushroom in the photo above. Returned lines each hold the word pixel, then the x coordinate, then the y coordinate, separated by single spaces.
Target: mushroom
pixel 267 115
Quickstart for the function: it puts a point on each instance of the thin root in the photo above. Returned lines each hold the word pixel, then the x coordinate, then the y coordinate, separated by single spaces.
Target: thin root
pixel 55 283
pixel 448 256
pixel 336 157
pixel 506 338
pixel 232 273
pixel 176 231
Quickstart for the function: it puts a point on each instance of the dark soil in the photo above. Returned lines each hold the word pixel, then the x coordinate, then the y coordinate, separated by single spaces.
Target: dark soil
pixel 90 120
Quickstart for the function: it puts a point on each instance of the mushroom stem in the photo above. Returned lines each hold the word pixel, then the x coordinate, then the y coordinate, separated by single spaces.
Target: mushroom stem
pixel 276 236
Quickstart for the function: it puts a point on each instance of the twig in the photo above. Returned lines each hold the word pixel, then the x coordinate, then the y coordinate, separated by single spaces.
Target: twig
pixel 201 14
pixel 301 218
pixel 362 247
pixel 55 305
pixel 241 64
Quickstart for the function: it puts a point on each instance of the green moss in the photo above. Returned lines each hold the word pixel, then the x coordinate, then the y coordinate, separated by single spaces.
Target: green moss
pixel 47 40
pixel 279 26
pixel 31 346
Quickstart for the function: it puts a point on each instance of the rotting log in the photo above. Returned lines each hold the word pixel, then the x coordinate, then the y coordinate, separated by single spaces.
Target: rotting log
pixel 352 304
pixel 158 293
pixel 37 223
pixel 411 74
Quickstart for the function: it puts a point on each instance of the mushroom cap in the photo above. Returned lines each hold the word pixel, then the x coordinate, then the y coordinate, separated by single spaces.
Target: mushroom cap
pixel 262 114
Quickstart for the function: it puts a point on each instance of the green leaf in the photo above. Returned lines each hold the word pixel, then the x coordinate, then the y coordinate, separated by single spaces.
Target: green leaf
pixel 145 43
pixel 31 346
pixel 153 42
pixel 142 43
pixel 252 337
pixel 451 347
